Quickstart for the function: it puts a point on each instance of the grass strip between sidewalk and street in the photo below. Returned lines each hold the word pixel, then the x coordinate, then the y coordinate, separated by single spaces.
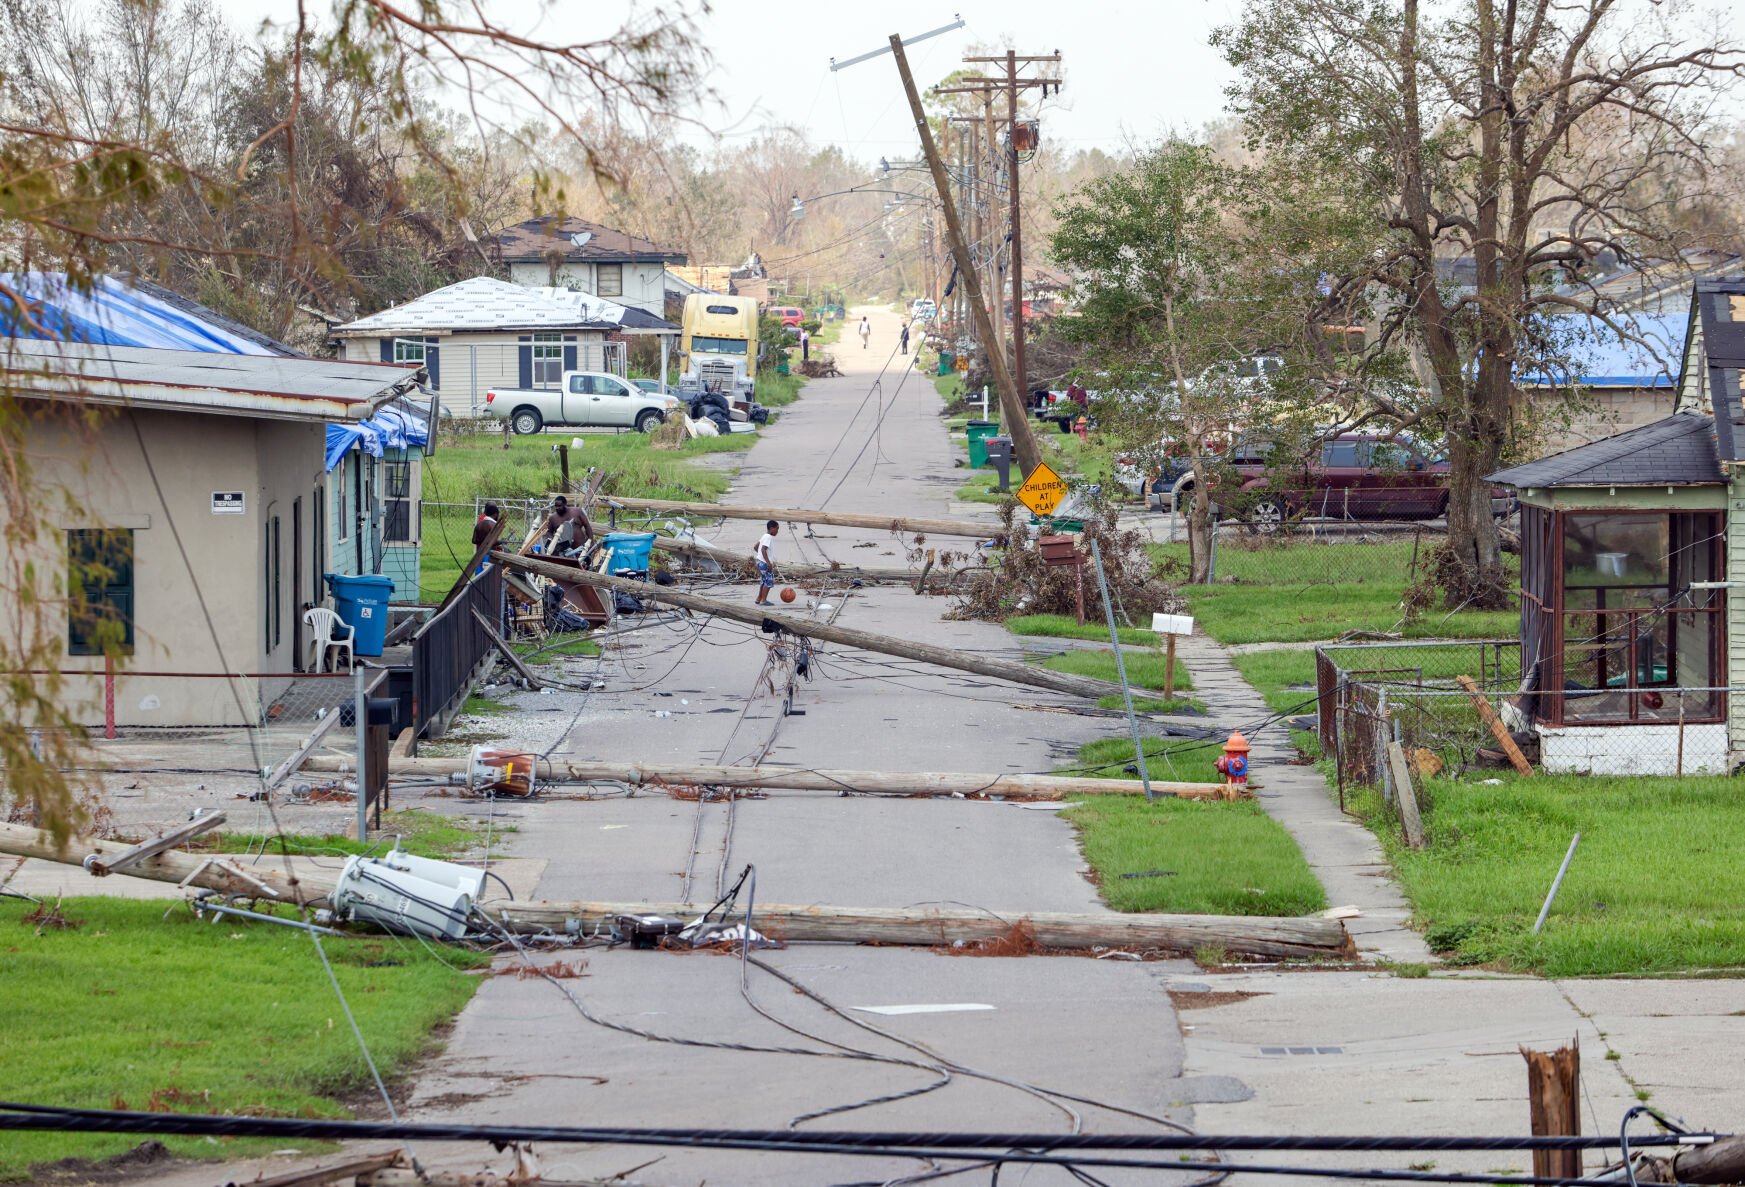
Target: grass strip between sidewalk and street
pixel 422 834
pixel 1065 626
pixel 1194 857
pixel 104 1013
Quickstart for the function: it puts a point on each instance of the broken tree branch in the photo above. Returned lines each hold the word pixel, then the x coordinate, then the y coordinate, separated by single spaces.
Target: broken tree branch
pixel 997 669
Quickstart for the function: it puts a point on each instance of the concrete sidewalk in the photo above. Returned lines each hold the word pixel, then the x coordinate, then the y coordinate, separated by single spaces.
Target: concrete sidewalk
pixel 1344 854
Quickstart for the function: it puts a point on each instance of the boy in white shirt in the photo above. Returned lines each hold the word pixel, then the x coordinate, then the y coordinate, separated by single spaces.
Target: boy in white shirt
pixel 765 558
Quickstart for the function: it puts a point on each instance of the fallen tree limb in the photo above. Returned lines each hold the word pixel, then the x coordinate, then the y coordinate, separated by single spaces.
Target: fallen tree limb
pixel 944 657
pixel 1038 787
pixel 921 526
pixel 935 926
pixel 214 871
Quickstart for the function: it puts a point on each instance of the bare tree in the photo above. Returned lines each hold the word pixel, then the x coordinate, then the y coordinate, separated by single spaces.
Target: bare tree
pixel 1524 136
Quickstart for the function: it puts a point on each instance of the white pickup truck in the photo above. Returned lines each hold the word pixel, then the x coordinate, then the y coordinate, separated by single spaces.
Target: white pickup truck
pixel 585 399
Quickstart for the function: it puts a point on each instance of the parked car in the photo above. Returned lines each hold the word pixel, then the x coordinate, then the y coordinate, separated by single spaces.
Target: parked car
pixel 1349 476
pixel 922 309
pixel 788 315
pixel 584 399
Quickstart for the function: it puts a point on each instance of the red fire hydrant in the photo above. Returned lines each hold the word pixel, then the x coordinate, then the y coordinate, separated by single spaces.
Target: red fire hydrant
pixel 1234 765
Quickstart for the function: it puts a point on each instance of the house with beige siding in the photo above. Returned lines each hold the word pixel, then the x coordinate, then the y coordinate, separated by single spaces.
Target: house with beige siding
pixel 1633 575
pixel 485 333
pixel 556 252
pixel 196 482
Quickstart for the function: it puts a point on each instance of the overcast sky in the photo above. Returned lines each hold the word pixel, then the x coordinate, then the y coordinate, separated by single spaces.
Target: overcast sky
pixel 1134 70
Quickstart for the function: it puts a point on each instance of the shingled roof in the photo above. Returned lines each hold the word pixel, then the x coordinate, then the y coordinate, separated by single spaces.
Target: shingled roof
pixel 538 238
pixel 1679 450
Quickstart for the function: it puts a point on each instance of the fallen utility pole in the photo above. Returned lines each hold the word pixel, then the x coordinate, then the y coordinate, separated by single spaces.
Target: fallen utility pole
pixel 1014 413
pixel 1034 787
pixel 944 657
pixel 218 872
pixel 928 926
pixel 933 926
pixel 920 525
pixel 1720 1162
pixel 733 561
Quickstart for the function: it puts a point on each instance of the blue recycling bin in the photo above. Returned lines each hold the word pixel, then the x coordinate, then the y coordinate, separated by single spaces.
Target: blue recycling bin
pixel 628 551
pixel 362 604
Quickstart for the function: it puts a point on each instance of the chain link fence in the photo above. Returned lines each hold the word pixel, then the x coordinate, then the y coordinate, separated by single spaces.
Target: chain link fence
pixel 1445 703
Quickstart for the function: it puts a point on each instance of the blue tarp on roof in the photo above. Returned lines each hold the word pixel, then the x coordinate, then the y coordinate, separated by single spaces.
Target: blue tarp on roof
pixel 342 438
pixel 1602 359
pixel 117 313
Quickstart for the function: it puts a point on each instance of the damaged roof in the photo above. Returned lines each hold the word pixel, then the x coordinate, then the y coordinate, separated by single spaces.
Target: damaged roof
pixel 576 239
pixel 484 304
pixel 1679 450
pixel 269 386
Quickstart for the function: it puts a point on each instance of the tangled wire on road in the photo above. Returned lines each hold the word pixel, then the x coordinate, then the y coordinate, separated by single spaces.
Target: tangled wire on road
pixel 1023 583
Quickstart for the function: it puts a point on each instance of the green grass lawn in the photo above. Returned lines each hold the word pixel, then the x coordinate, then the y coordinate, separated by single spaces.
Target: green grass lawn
pixel 1285 679
pixel 982 487
pixel 1260 613
pixel 1179 760
pixel 132 1010
pixel 424 834
pixel 1657 884
pixel 778 391
pixel 1065 626
pixel 1194 857
pixel 1144 668
pixel 479 467
pixel 1298 591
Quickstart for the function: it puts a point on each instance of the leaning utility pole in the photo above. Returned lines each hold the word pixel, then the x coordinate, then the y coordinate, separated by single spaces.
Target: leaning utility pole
pixel 1012 405
pixel 1012 82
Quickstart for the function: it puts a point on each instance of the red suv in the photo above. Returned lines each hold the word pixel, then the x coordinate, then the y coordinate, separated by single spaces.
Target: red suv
pixel 1351 476
pixel 788 315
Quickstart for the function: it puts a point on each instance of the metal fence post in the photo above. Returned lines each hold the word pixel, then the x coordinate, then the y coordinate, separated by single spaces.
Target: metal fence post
pixel 1121 669
pixel 358 718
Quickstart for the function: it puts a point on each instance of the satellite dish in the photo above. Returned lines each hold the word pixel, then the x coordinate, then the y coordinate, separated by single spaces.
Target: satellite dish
pixel 580 238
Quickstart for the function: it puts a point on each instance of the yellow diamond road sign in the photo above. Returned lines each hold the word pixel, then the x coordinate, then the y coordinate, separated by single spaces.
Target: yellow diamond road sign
pixel 1043 490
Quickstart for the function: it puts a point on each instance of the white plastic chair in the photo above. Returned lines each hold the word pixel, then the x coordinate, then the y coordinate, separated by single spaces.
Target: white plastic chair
pixel 323 622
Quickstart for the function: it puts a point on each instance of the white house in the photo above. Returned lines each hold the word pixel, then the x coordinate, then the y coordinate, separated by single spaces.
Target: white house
pixel 553 252
pixel 485 333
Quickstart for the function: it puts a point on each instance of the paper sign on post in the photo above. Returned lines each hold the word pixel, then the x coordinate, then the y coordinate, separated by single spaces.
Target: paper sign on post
pixel 1042 491
pixel 1173 624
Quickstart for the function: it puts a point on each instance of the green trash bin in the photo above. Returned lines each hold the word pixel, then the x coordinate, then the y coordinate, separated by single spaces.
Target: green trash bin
pixel 978 432
pixel 947 362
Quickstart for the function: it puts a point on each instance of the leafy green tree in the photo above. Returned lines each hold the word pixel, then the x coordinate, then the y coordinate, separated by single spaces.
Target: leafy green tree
pixel 1484 156
pixel 1175 290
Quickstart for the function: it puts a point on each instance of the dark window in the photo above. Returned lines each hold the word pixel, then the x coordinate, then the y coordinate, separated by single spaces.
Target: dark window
pixel 100 591
pixel 609 280
pixel 278 591
pixel 547 360
pixel 397 482
pixel 718 345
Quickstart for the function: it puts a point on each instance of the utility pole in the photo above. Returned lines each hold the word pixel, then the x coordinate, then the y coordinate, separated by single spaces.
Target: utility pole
pixel 1012 405
pixel 1012 83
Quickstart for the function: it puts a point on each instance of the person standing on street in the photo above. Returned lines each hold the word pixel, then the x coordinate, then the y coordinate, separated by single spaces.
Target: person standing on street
pixel 903 342
pixel 865 331
pixel 805 345
pixel 765 558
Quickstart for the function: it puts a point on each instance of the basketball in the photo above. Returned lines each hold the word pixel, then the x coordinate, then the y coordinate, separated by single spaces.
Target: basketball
pixel 788 593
